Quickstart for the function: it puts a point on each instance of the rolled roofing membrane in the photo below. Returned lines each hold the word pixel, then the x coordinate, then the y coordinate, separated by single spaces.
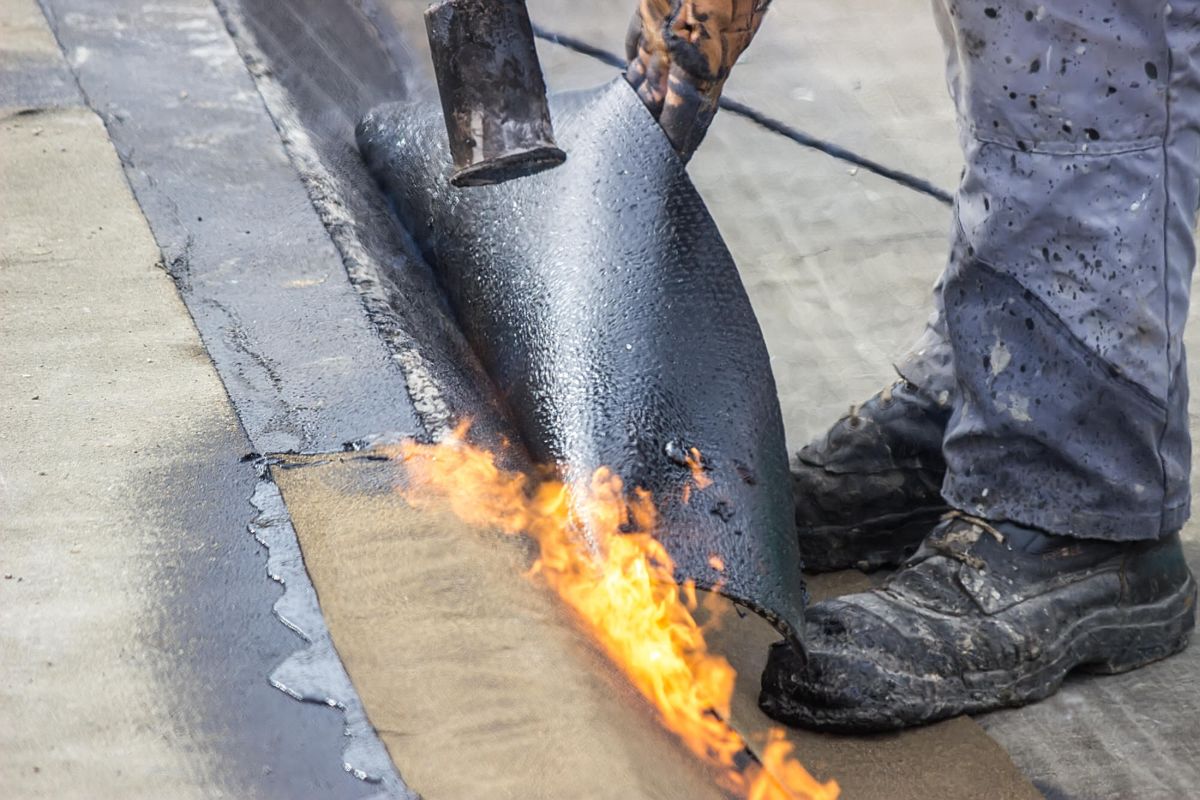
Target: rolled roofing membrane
pixel 608 312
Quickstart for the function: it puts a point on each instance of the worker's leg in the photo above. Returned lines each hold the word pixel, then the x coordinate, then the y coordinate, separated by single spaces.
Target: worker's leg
pixel 1067 451
pixel 1067 292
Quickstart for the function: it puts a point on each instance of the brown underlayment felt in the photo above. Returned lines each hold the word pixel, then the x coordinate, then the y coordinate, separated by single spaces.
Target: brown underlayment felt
pixel 481 685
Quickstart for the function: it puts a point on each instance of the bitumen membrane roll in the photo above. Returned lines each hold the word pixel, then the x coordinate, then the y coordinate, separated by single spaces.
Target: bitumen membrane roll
pixel 609 314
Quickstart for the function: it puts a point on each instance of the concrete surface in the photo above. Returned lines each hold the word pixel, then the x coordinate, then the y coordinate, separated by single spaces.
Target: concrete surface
pixel 135 625
pixel 70 523
pixel 303 365
pixel 32 72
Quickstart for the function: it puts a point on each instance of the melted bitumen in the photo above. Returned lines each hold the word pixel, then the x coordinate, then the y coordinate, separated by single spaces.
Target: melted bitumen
pixel 316 674
pixel 217 640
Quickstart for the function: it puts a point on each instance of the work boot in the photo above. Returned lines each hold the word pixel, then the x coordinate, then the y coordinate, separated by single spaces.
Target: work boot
pixel 982 616
pixel 868 491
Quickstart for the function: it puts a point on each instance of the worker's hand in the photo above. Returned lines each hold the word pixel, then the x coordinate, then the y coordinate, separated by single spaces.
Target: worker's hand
pixel 680 53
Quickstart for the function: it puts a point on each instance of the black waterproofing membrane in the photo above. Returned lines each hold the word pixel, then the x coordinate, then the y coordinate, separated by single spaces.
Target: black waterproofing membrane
pixel 604 305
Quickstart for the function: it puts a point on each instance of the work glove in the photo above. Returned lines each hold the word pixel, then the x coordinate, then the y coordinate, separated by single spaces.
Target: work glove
pixel 680 53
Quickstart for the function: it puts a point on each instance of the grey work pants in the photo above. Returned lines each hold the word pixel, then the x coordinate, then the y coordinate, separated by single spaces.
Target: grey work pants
pixel 1058 335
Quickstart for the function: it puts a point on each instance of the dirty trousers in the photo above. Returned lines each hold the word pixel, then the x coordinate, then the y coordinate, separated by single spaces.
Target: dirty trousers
pixel 1058 330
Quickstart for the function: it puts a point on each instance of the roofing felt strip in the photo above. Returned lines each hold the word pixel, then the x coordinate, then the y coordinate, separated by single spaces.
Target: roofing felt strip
pixel 603 303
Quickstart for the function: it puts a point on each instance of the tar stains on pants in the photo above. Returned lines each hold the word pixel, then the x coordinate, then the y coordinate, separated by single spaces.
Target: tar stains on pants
pixel 1058 334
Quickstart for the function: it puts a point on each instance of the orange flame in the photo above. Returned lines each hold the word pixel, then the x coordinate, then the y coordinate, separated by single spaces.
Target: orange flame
pixel 696 464
pixel 620 582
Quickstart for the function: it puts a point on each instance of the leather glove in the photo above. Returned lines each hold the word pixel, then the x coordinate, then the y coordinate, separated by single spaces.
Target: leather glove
pixel 680 53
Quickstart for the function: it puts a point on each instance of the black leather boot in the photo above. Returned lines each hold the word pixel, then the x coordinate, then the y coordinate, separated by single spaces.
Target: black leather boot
pixel 868 491
pixel 983 616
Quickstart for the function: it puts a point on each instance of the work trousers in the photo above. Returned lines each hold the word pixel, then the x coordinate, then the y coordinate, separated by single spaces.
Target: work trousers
pixel 1057 337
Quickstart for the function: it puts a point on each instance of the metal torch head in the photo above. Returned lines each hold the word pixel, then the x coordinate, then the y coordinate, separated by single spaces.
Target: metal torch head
pixel 492 91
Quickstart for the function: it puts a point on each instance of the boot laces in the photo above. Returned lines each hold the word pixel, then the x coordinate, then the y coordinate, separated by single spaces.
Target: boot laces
pixel 956 542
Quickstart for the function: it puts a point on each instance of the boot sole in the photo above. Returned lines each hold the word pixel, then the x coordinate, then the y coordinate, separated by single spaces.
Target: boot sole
pixel 1106 642
pixel 1151 639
